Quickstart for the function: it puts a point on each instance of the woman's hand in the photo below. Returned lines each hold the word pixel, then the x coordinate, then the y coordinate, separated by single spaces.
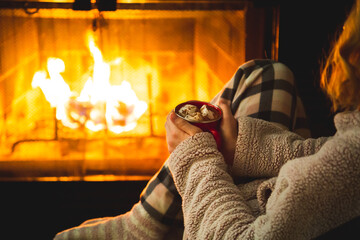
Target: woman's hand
pixel 177 130
pixel 229 132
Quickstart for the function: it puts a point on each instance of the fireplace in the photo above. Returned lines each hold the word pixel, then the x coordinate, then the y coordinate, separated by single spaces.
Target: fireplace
pixel 84 91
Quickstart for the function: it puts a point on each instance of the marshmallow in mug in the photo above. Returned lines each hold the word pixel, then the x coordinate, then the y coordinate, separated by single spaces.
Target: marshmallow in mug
pixel 193 113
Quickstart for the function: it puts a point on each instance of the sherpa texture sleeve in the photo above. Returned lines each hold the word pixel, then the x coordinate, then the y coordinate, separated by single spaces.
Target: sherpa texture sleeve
pixel 262 148
pixel 312 194
pixel 135 224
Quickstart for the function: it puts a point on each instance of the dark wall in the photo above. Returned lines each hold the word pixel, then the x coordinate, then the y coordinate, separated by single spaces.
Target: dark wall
pixel 307 29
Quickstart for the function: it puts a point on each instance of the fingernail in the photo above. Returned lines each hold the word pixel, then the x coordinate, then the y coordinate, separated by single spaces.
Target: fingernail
pixel 173 115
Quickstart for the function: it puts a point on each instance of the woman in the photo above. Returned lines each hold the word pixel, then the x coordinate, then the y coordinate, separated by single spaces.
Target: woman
pixel 277 183
pixel 311 186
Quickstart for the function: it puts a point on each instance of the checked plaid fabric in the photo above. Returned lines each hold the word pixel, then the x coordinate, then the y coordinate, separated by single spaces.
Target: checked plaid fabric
pixel 261 89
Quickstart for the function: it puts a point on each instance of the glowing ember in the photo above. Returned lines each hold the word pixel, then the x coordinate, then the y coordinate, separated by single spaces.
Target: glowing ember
pixel 99 105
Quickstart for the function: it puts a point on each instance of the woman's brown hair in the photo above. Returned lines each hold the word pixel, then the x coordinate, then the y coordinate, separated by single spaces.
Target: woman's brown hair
pixel 340 77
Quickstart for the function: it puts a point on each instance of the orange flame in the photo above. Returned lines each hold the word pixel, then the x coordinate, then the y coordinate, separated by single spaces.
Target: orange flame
pixel 99 105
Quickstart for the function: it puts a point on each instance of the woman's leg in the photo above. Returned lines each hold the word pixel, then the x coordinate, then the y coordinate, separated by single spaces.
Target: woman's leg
pixel 266 90
pixel 261 89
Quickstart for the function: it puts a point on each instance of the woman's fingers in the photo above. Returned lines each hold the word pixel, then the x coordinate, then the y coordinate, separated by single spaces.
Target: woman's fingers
pixel 229 131
pixel 177 130
pixel 184 125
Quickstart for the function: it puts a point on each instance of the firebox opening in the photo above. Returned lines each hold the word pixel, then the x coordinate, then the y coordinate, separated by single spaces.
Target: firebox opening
pixel 163 56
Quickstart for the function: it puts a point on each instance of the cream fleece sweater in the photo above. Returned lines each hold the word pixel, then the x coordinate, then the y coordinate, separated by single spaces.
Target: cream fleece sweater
pixel 314 192
pixel 317 190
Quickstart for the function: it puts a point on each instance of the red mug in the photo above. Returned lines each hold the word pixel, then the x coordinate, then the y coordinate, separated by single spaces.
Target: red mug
pixel 212 126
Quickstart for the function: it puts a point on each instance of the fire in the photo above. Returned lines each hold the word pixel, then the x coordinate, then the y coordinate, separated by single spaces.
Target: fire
pixel 99 105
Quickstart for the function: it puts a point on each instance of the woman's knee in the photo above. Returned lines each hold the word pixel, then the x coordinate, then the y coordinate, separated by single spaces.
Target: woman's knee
pixel 257 75
pixel 283 72
pixel 265 70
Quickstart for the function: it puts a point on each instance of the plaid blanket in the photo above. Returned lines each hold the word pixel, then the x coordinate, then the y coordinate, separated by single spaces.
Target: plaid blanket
pixel 261 89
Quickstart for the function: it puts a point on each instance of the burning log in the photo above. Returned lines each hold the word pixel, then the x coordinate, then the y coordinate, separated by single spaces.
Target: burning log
pixel 99 106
